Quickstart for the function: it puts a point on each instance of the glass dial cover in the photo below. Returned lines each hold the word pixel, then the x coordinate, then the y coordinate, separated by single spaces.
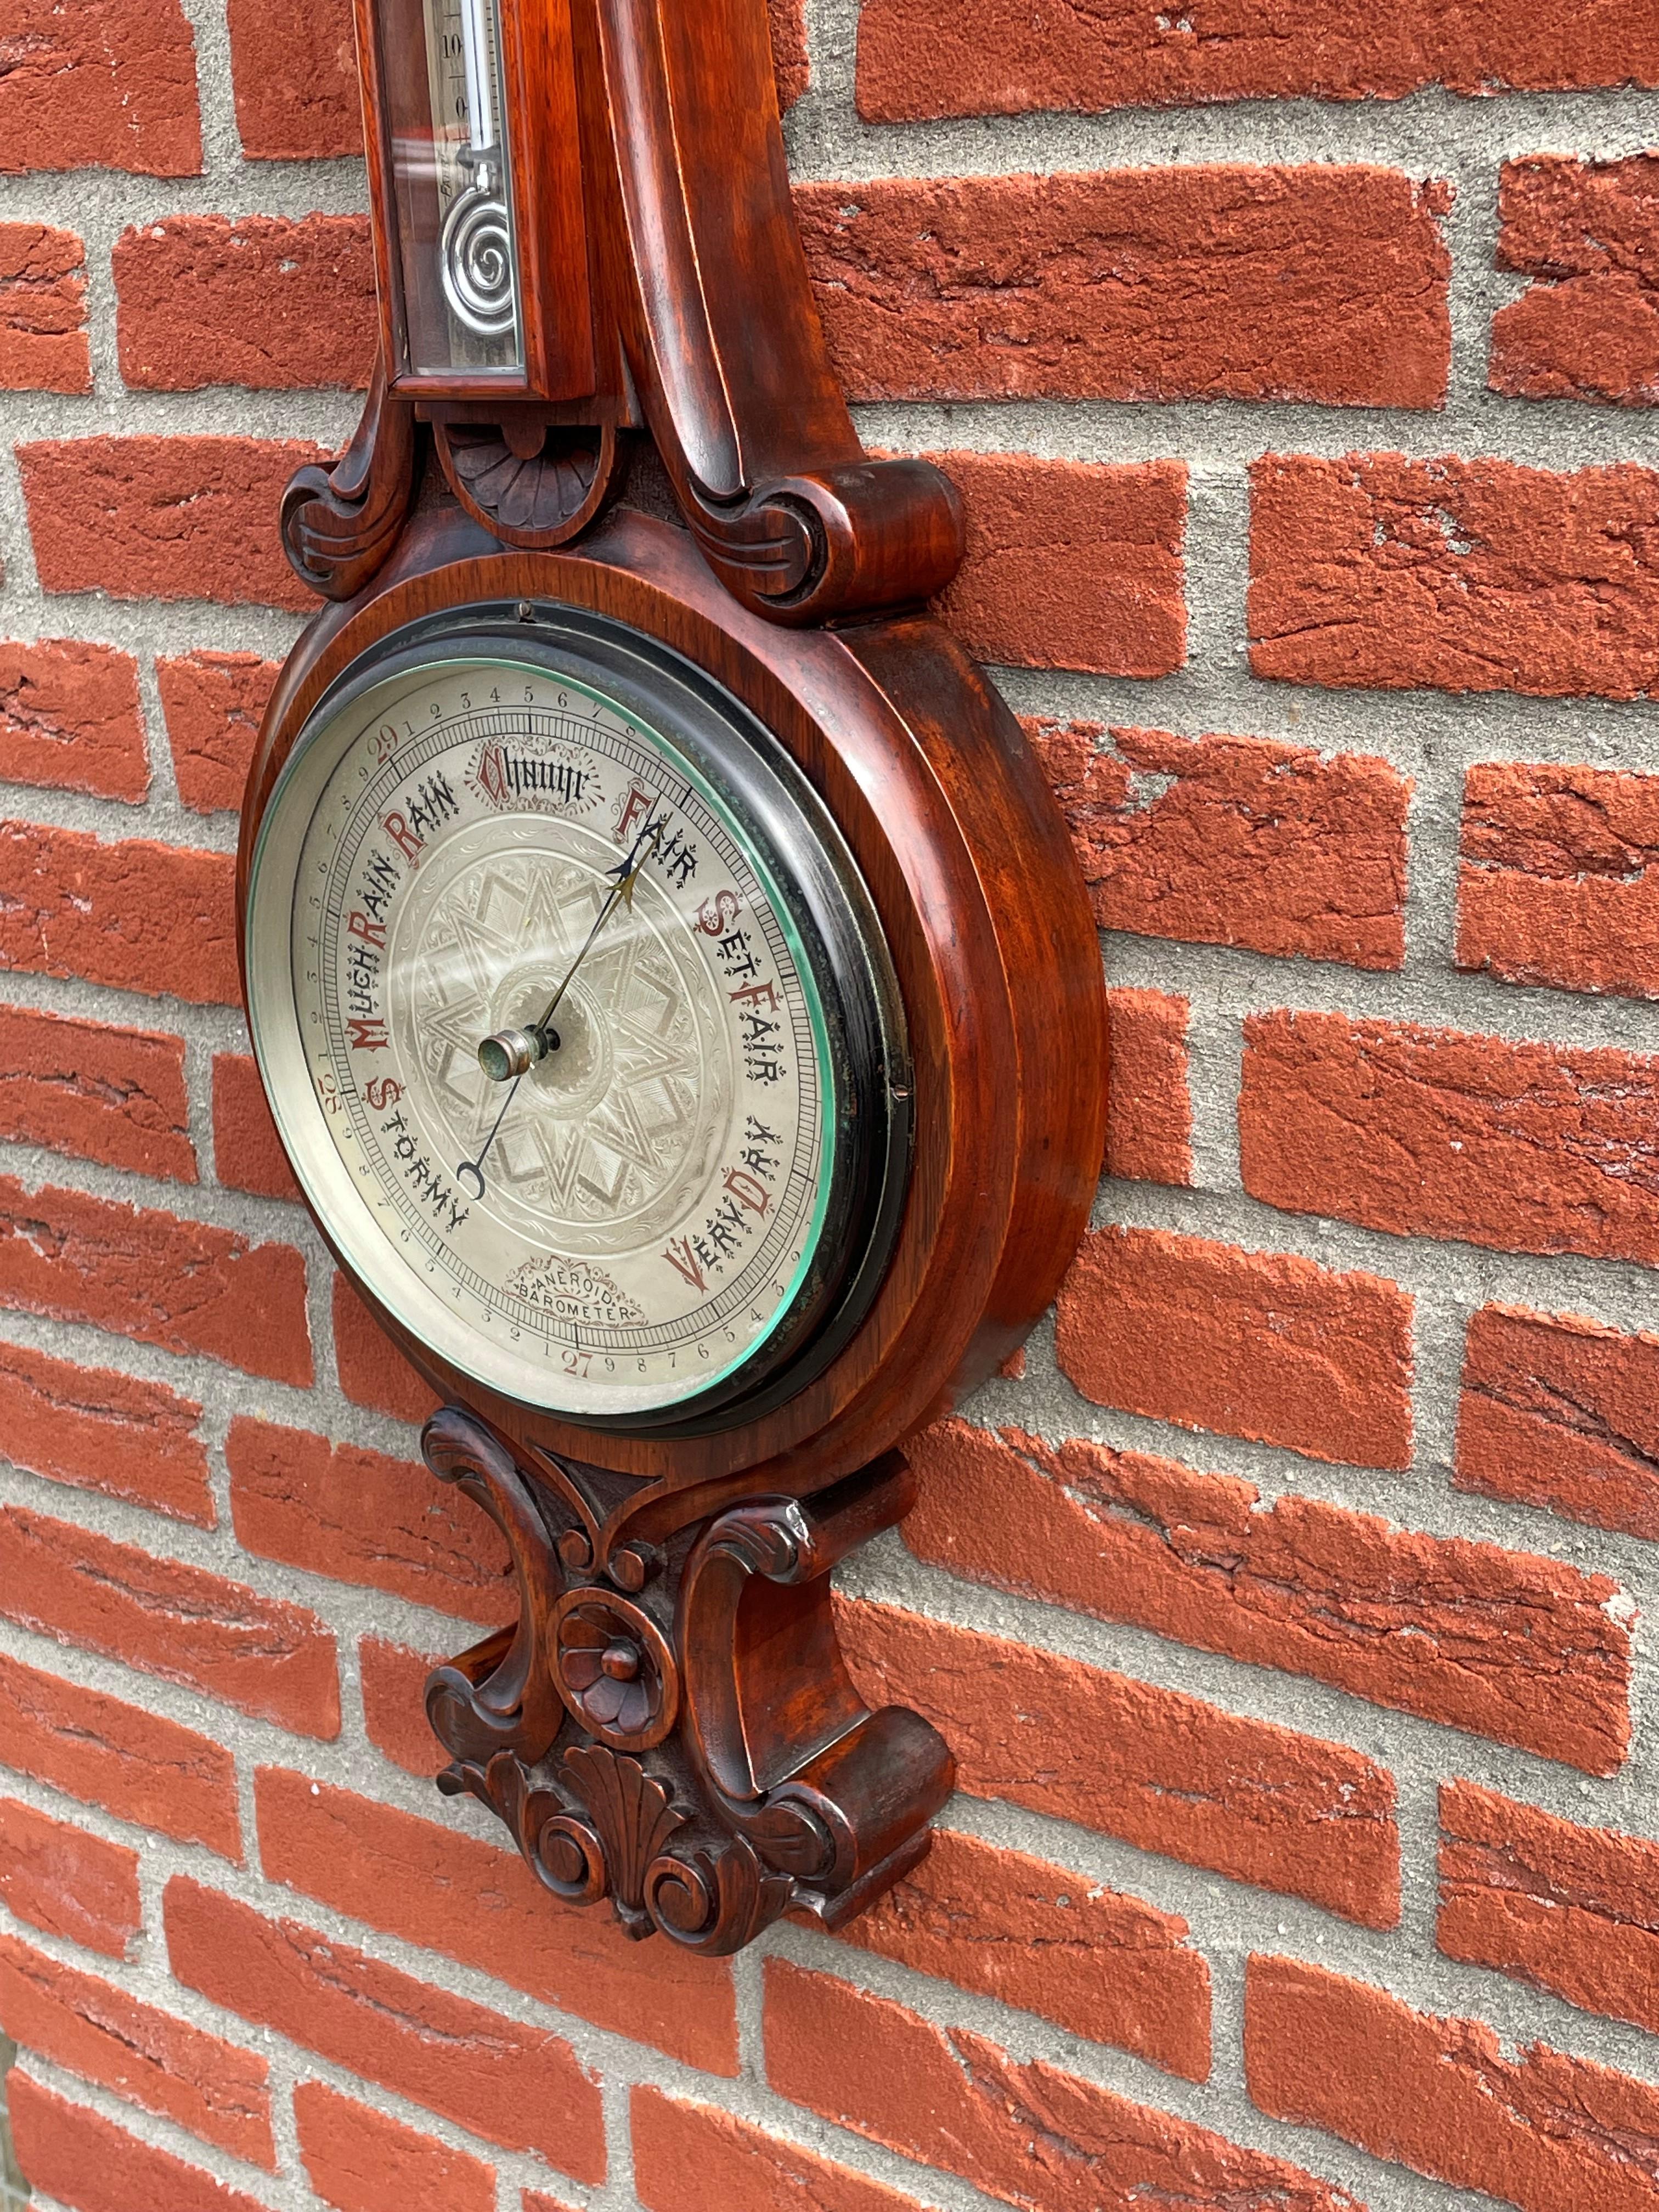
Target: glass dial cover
pixel 578 839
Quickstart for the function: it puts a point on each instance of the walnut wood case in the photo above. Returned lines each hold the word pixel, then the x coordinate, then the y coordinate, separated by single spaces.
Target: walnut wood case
pixel 672 310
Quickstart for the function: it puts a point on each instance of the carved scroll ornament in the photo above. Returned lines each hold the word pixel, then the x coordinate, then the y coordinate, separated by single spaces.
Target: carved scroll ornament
pixel 654 1748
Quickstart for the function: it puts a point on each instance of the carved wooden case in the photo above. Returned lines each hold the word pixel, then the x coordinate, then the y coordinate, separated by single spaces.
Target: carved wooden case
pixel 671 1725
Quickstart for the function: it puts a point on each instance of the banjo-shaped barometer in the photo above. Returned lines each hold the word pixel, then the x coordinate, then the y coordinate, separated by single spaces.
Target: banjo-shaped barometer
pixel 671 977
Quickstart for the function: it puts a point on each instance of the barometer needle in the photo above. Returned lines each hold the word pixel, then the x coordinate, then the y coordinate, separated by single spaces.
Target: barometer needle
pixel 514 1052
pixel 631 871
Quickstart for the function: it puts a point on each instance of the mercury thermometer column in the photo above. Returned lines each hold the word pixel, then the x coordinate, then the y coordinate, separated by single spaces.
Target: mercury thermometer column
pixel 476 263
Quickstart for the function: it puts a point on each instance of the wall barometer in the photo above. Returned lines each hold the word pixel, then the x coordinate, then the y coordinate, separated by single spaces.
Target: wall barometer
pixel 671 980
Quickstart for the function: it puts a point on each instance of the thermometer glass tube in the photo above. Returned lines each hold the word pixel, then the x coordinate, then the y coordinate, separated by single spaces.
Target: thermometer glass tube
pixel 441 65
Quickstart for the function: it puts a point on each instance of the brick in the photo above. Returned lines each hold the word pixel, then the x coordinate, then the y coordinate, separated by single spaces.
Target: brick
pixel 140 1767
pixel 155 2062
pixel 1588 327
pixel 1436 1132
pixel 480 1905
pixel 361 2162
pixel 1521 1649
pixel 1559 877
pixel 214 703
pixel 393 1682
pixel 360 1516
pixel 1571 1910
pixel 147 1275
pixel 79 2158
pixel 1236 840
pixel 1029 2133
pixel 1461 575
pixel 373 1372
pixel 517 2087
pixel 132 914
pixel 69 718
pixel 95 1092
pixel 43 309
pixel 98 1430
pixel 1163 1770
pixel 247 1153
pixel 152 518
pixel 1561 1412
pixel 294 70
pixel 270 1658
pixel 67 1883
pixel 1321 283
pixel 791 64
pixel 105 84
pixel 1071 564
pixel 695 2158
pixel 1542 2131
pixel 1260 1345
pixel 260 301
pixel 1148 1117
pixel 1105 1966
pixel 920 58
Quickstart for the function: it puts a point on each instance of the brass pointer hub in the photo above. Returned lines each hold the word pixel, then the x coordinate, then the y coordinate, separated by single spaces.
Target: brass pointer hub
pixel 512 1053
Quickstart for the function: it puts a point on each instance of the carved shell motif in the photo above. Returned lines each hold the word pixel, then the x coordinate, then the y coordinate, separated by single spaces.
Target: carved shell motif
pixel 633 1815
pixel 535 499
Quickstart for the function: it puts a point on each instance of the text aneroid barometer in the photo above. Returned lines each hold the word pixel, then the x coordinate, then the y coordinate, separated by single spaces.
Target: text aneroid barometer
pixel 669 972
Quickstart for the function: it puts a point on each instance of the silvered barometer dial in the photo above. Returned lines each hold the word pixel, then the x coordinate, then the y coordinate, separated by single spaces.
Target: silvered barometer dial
pixel 579 1024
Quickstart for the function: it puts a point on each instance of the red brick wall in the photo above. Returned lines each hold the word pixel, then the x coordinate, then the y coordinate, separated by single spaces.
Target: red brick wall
pixel 1285 1610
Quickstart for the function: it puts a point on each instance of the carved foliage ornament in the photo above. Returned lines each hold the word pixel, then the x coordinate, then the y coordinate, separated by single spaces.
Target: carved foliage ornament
pixel 668 971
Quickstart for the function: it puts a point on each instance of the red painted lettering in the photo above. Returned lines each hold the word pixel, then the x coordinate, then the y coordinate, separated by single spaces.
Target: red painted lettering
pixel 680 1257
pixel 638 802
pixel 747 1190
pixel 715 912
pixel 401 835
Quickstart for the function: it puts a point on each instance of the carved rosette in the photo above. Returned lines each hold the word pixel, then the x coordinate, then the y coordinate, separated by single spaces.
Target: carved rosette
pixel 613 1669
pixel 703 1765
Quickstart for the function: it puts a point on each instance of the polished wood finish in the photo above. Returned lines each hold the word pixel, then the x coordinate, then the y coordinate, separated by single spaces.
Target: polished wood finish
pixel 963 854
pixel 339 523
pixel 695 1752
pixel 688 306
pixel 533 489
pixel 539 58
pixel 737 1776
